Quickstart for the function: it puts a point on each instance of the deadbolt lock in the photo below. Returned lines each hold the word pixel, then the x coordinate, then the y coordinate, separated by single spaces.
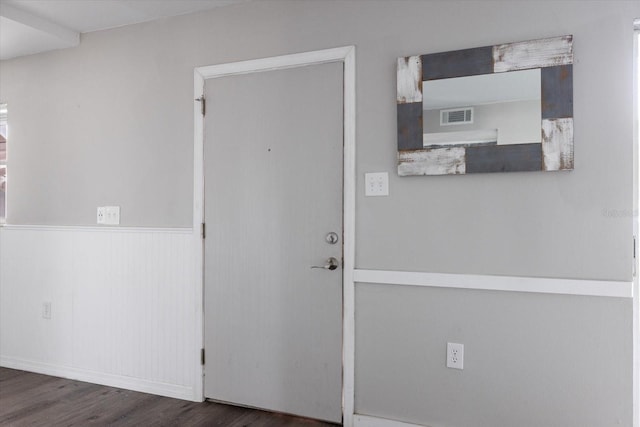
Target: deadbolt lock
pixel 332 238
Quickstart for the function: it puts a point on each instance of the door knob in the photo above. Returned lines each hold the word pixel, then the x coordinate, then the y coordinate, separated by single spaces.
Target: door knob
pixel 331 264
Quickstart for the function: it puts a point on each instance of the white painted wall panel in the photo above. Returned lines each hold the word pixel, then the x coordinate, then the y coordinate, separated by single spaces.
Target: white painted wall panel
pixel 123 305
pixel 34 272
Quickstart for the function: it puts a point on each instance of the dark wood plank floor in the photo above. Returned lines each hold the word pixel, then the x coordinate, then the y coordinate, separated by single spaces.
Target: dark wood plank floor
pixel 28 399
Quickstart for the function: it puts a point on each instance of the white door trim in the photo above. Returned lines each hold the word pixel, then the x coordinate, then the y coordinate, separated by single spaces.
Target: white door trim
pixel 346 55
pixel 636 205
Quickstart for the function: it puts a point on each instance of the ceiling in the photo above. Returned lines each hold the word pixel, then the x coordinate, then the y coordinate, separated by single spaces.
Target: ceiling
pixel 34 26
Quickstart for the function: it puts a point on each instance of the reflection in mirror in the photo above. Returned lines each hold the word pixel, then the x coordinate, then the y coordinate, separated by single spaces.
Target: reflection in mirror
pixel 487 109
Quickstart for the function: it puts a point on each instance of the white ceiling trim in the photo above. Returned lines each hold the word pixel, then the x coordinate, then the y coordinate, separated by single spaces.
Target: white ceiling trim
pixel 34 26
pixel 67 37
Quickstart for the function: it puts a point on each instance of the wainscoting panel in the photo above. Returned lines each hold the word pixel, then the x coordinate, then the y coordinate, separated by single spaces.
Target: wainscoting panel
pixel 123 305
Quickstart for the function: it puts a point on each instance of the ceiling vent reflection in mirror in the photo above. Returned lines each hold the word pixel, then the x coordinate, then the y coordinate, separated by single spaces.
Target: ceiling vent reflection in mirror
pixel 456 116
pixel 512 106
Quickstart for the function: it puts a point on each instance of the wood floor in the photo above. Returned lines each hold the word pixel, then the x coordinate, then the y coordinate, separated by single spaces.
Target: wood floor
pixel 28 399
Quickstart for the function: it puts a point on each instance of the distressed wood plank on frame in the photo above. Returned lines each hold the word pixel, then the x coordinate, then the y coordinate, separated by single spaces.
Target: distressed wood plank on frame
pixel 557 91
pixel 439 161
pixel 557 144
pixel 409 82
pixel 458 63
pixel 410 126
pixel 533 54
pixel 504 158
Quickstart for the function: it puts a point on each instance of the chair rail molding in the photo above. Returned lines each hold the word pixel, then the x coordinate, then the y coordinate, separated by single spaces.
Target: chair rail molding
pixel 602 288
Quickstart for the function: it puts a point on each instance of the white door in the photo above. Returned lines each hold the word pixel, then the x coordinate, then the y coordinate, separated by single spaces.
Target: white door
pixel 273 196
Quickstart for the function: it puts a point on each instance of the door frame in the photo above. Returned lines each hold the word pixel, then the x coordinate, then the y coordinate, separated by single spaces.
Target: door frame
pixel 636 226
pixel 346 55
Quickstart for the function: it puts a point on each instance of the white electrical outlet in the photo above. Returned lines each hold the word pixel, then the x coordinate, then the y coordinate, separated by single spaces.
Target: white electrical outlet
pixel 376 184
pixel 46 310
pixel 102 215
pixel 455 355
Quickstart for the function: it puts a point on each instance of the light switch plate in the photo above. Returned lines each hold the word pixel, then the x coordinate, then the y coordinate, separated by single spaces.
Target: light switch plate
pixel 376 184
pixel 113 215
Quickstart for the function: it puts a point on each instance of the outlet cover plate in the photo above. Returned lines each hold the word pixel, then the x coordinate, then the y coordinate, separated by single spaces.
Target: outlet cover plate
pixel 101 215
pixel 46 310
pixel 455 355
pixel 108 215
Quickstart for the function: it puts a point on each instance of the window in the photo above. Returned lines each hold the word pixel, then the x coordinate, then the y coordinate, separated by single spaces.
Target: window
pixel 3 161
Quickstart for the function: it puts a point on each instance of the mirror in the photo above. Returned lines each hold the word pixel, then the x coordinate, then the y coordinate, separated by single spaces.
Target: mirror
pixel 492 109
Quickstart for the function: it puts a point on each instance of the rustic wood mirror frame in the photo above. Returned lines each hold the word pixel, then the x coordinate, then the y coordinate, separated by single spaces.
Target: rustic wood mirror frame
pixel 554 58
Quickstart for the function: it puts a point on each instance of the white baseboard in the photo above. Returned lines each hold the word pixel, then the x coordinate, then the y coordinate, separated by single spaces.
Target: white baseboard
pixel 119 381
pixel 368 421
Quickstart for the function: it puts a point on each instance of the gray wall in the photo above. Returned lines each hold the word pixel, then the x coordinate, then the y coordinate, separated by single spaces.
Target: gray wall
pixel 530 360
pixel 518 122
pixel 110 122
